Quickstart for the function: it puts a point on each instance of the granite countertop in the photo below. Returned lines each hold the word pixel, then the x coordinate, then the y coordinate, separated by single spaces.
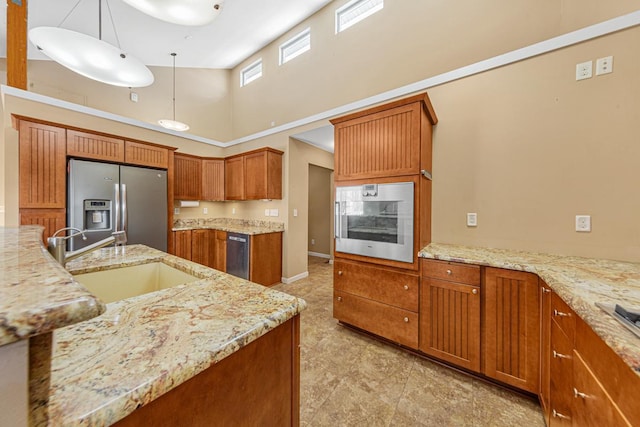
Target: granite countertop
pixel 232 225
pixel 141 347
pixel 580 282
pixel 37 295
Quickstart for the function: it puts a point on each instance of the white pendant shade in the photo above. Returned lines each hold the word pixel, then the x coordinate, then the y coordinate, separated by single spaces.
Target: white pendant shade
pixel 90 57
pixel 182 12
pixel 173 125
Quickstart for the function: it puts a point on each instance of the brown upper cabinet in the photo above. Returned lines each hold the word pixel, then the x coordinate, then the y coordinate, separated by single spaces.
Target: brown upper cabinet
pixel 145 154
pixel 254 175
pixel 188 177
pixel 93 146
pixel 389 140
pixel 212 179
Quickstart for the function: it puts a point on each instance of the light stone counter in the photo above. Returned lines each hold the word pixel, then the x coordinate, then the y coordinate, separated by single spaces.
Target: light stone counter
pixel 580 282
pixel 37 295
pixel 232 225
pixel 144 346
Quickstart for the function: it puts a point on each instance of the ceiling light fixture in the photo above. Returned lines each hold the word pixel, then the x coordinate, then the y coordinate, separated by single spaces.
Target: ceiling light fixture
pixel 182 12
pixel 174 124
pixel 91 57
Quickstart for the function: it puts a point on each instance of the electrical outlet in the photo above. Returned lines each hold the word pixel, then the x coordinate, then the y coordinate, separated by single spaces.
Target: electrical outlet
pixel 205 211
pixel 295 212
pixel 604 65
pixel 176 211
pixel 233 211
pixel 313 242
pixel 274 212
pixel 266 212
pixel 583 223
pixel 472 219
pixel 133 96
pixel 584 70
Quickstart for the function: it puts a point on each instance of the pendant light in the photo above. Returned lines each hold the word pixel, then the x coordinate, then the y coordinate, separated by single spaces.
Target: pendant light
pixel 173 124
pixel 182 12
pixel 91 57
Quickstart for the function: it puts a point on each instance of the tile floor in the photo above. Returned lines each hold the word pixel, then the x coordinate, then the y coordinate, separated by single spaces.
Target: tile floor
pixel 349 379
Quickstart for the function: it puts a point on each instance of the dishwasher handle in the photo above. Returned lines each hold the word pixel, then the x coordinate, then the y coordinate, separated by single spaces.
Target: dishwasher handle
pixel 237 239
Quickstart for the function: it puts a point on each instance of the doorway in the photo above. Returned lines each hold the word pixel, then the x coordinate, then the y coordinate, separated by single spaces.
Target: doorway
pixel 320 212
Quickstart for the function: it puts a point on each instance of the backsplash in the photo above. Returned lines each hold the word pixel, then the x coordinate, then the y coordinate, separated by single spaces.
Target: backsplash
pixel 226 222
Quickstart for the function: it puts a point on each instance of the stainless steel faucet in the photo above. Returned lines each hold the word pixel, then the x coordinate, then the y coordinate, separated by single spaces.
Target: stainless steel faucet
pixel 57 246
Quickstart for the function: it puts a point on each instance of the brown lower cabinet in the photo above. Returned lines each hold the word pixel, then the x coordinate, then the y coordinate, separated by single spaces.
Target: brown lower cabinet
pixel 209 247
pixel 258 385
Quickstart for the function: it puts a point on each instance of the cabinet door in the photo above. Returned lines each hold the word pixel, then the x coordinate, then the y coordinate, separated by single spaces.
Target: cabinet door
pixel 545 348
pixel 200 246
pixel 43 170
pixel 263 175
pixel 234 178
pixel 92 146
pixel 213 179
pixel 512 328
pixel 51 219
pixel 220 257
pixel 182 242
pixel 146 155
pixel 450 322
pixel 265 259
pixel 188 177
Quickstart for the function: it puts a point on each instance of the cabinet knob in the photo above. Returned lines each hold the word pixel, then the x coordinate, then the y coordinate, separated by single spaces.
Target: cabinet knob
pixel 406 287
pixel 557 414
pixel 546 290
pixel 339 298
pixel 577 394
pixel 561 314
pixel 406 320
pixel 557 355
pixel 340 273
pixel 449 272
pixel 475 292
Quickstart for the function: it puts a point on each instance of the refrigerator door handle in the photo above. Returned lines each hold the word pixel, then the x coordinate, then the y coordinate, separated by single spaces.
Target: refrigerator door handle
pixel 117 208
pixel 124 207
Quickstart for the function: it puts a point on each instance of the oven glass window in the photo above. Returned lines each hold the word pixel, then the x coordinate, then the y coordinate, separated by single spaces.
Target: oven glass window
pixel 373 220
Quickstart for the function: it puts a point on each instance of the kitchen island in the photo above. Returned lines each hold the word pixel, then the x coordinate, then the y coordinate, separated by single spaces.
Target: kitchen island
pixel 180 354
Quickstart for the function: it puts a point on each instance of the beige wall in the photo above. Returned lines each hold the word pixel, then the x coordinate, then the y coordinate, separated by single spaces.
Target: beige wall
pixel 320 210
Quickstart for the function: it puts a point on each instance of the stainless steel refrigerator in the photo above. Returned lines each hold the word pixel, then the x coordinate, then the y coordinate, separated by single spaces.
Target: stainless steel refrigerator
pixel 105 197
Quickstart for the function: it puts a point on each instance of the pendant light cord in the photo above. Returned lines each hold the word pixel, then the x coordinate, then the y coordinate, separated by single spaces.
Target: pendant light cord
pixel 174 85
pixel 113 23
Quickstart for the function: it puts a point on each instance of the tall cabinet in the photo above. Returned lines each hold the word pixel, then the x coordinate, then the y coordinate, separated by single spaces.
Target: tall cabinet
pixel 388 143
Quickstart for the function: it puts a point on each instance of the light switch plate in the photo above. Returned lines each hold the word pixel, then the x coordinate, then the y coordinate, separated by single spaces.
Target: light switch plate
pixel 295 212
pixel 274 212
pixel 266 212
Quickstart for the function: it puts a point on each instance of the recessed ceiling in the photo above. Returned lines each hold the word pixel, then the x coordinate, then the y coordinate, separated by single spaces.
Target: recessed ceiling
pixel 243 28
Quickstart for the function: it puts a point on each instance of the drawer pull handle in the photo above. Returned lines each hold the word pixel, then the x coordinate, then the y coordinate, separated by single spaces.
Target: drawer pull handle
pixel 557 414
pixel 475 292
pixel 406 287
pixel 406 320
pixel 339 298
pixel 545 290
pixel 577 394
pixel 561 313
pixel 340 273
pixel 557 355
pixel 449 272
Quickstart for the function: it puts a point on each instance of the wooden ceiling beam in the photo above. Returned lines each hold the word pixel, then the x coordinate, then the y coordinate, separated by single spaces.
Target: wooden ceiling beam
pixel 17 43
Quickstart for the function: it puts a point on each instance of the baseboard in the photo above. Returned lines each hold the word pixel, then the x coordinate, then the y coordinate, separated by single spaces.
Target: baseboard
pixel 319 255
pixel 287 280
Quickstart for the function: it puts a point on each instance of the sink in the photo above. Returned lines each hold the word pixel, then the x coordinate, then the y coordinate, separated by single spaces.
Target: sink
pixel 126 282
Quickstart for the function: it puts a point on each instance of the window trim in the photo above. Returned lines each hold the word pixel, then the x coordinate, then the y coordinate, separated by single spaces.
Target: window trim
pixel 352 5
pixel 243 72
pixel 292 41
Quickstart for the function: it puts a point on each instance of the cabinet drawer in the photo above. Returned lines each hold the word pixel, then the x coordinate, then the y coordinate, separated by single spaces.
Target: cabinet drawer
pixel 564 316
pixel 385 286
pixel 452 271
pixel 561 373
pixel 393 323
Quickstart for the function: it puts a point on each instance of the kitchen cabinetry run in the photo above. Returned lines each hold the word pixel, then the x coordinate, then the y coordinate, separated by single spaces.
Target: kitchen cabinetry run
pixel 511 333
pixel 378 300
pixel 254 175
pixel 450 312
pixel 188 177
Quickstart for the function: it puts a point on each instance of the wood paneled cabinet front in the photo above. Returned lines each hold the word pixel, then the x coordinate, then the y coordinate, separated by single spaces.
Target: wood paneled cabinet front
pixel 188 177
pixel 254 175
pixel 182 244
pixel 212 179
pixel 511 328
pixel 220 257
pixel 94 146
pixel 450 312
pixel 378 300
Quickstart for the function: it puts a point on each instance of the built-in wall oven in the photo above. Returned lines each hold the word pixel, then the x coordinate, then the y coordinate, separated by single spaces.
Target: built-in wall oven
pixel 375 220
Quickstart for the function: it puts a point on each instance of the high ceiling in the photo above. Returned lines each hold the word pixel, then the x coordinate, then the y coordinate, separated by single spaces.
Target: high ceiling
pixel 243 27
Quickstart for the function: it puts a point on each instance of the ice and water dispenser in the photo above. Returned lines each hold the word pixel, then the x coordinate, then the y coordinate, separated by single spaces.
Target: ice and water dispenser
pixel 97 214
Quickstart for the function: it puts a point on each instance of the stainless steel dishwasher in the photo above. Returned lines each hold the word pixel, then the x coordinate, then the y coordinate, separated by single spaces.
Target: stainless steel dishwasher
pixel 238 255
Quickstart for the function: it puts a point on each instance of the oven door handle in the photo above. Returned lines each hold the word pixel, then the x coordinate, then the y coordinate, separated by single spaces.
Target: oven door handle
pixel 337 224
